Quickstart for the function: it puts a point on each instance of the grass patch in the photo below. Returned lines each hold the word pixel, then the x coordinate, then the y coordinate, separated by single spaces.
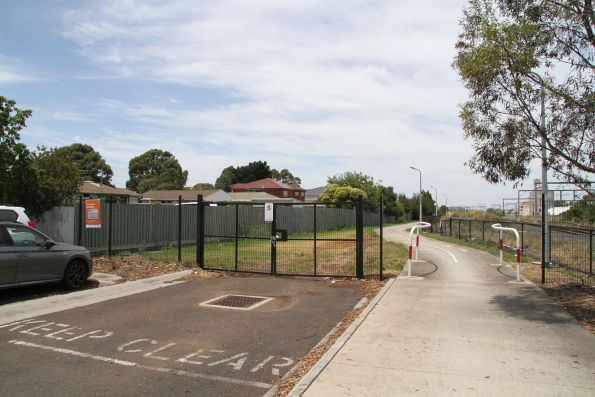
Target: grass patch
pixel 333 254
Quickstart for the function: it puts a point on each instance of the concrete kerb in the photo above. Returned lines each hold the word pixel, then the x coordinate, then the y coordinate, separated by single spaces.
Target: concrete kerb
pixel 313 373
pixel 51 304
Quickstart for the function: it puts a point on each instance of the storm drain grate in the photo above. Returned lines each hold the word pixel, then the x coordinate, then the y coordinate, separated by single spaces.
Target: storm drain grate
pixel 238 302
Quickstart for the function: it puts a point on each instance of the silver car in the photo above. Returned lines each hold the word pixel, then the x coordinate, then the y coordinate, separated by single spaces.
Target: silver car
pixel 30 257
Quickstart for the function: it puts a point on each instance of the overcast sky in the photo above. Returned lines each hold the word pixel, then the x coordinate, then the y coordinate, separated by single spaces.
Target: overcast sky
pixel 318 87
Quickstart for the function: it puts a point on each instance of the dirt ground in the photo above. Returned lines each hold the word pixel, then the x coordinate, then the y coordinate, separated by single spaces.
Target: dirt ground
pixel 579 301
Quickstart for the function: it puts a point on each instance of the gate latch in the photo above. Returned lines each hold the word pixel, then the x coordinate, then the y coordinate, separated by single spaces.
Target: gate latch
pixel 274 241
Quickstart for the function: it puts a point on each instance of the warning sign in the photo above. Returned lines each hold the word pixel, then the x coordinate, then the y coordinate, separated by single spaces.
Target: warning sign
pixel 92 214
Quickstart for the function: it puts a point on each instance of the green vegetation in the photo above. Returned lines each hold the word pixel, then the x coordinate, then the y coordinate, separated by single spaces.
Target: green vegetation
pixel 155 170
pixel 511 55
pixel 295 256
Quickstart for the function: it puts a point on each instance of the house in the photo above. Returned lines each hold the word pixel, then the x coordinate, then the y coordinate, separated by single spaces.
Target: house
pixel 259 198
pixel 94 190
pixel 312 195
pixel 172 196
pixel 270 186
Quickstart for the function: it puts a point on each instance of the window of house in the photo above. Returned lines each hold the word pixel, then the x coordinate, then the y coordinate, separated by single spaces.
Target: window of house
pixel 284 193
pixel 297 194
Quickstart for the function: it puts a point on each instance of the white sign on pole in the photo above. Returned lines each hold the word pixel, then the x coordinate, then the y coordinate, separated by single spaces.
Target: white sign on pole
pixel 268 213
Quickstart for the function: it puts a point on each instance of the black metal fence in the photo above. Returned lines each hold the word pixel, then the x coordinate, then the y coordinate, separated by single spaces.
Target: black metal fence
pixel 569 248
pixel 303 239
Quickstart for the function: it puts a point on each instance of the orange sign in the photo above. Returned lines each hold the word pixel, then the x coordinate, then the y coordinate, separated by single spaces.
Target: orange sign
pixel 93 213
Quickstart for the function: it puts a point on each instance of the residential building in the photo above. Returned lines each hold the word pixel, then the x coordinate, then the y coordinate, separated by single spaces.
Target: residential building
pixel 259 198
pixel 312 195
pixel 270 186
pixel 94 190
pixel 172 196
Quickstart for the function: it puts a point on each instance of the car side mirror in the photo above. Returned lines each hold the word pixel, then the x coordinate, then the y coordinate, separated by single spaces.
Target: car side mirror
pixel 49 244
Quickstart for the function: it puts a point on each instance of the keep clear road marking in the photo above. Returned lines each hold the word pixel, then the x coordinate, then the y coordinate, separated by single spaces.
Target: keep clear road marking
pixel 454 258
pixel 151 368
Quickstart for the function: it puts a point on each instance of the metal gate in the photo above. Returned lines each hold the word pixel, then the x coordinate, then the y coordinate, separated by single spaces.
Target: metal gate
pixel 302 239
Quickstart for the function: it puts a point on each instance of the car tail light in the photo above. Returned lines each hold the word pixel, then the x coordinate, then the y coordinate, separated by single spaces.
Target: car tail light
pixel 31 224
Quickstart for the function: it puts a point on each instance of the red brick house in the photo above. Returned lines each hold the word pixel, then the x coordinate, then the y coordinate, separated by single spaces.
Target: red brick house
pixel 270 186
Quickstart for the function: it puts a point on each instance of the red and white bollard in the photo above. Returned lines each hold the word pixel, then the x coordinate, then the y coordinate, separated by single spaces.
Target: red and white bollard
pixel 501 229
pixel 421 225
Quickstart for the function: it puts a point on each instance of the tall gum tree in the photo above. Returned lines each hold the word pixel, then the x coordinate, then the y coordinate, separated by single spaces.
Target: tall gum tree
pixel 511 55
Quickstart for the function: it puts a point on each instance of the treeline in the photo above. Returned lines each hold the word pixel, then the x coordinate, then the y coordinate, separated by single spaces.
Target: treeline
pixel 47 177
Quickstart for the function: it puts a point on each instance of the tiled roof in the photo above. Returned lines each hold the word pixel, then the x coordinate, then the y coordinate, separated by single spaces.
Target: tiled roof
pixel 172 195
pixel 90 187
pixel 266 183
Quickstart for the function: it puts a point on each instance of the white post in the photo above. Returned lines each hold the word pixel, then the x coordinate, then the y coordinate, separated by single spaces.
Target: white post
pixel 501 229
pixel 422 225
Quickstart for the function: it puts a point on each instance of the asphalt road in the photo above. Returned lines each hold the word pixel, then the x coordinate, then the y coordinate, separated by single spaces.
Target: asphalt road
pixel 163 342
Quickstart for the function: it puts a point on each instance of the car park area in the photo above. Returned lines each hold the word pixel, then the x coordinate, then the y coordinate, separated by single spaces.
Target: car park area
pixel 225 336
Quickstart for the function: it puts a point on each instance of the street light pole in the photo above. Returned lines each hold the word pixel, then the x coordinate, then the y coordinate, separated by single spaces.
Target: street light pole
pixel 436 203
pixel 418 170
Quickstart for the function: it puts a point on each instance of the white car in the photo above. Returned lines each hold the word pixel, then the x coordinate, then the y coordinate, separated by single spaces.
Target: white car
pixel 15 214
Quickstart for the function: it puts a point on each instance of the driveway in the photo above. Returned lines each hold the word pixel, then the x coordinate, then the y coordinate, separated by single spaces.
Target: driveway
pixel 164 342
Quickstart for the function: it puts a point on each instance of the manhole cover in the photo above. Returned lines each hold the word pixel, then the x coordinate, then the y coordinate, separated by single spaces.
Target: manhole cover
pixel 238 302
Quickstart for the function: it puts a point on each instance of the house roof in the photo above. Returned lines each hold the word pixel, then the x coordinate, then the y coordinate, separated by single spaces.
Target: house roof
pixel 172 195
pixel 90 187
pixel 261 197
pixel 266 183
pixel 317 191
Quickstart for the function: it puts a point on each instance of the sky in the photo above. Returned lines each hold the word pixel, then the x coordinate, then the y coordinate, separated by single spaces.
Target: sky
pixel 317 87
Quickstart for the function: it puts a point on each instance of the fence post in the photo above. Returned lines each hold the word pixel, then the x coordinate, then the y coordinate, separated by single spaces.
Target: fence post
pixel 110 226
pixel 79 239
pixel 543 235
pixel 359 238
pixel 591 252
pixel 200 237
pixel 459 229
pixel 237 237
pixel 470 237
pixel 180 228
pixel 381 236
pixel 315 226
pixel 450 227
pixel 274 241
pixel 523 238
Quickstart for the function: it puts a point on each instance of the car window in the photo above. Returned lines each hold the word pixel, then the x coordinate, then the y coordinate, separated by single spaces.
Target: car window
pixel 5 240
pixel 24 237
pixel 8 215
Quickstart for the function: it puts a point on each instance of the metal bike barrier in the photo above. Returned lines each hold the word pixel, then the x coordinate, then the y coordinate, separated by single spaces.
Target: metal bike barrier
pixel 418 227
pixel 501 229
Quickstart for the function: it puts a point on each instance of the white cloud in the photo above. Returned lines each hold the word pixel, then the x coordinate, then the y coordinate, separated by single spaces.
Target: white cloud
pixel 12 71
pixel 320 87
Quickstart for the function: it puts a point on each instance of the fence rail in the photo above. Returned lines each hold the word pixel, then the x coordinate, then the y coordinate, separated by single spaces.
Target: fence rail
pixel 570 248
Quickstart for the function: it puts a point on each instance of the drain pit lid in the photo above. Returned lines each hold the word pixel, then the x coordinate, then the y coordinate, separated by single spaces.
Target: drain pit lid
pixel 237 302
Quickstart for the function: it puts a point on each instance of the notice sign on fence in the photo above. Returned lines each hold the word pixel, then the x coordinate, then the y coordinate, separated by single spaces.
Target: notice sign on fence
pixel 268 213
pixel 92 213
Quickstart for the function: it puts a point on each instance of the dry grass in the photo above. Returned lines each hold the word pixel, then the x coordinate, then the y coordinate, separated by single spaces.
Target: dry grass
pixel 136 267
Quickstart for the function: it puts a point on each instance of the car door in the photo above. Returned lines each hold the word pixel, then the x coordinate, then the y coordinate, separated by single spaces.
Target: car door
pixel 35 262
pixel 8 258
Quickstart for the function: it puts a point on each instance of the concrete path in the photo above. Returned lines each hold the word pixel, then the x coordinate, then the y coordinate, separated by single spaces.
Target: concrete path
pixel 466 328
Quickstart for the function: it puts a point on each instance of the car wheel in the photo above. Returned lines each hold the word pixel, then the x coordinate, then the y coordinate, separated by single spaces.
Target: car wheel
pixel 75 275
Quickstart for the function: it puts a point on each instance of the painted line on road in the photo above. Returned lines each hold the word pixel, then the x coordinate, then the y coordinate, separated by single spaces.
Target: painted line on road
pixel 125 363
pixel 454 258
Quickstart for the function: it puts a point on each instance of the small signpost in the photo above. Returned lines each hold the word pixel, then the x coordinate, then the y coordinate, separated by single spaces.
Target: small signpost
pixel 268 213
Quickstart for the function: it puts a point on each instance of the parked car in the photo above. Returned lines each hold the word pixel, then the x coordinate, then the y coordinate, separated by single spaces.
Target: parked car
pixel 30 257
pixel 15 214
